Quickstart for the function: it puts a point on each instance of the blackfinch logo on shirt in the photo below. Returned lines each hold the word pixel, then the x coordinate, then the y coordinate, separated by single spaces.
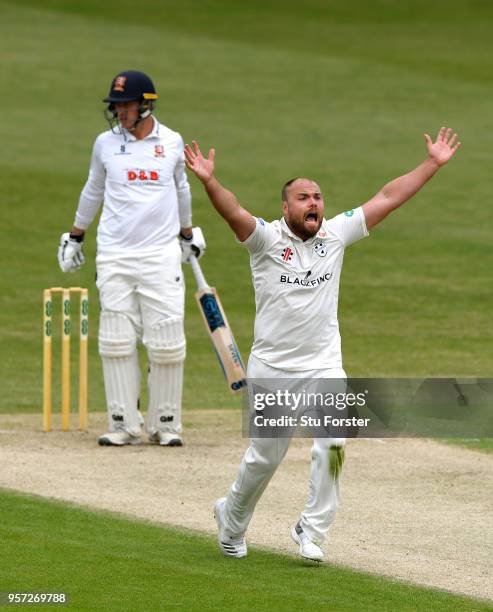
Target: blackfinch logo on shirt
pixel 305 282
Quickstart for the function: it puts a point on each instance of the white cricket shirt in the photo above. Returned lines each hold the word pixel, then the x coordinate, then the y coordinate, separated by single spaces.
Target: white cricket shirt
pixel 296 291
pixel 144 187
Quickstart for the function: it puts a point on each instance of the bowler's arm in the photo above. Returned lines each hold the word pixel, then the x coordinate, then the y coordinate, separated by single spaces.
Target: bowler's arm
pixel 397 192
pixel 224 201
pixel 227 205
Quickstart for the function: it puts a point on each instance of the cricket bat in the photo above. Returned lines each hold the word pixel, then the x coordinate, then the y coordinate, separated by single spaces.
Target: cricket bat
pixel 219 330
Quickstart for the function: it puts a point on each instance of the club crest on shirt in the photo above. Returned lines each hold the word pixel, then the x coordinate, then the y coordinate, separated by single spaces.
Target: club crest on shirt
pixel 320 249
pixel 159 151
pixel 287 254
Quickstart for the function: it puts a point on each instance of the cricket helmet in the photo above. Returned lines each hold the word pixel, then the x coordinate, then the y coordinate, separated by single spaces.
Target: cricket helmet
pixel 131 85
pixel 128 86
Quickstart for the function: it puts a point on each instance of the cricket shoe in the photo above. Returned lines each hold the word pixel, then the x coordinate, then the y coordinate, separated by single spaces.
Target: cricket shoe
pixel 118 438
pixel 166 438
pixel 308 549
pixel 229 545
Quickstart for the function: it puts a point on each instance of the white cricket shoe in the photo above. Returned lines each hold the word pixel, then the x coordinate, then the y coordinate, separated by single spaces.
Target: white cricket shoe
pixel 166 438
pixel 308 549
pixel 118 438
pixel 229 545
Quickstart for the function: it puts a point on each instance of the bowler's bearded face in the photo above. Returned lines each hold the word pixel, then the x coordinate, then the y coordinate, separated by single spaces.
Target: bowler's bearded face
pixel 303 208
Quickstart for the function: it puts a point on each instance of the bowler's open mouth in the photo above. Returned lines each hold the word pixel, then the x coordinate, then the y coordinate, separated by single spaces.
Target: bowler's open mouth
pixel 312 217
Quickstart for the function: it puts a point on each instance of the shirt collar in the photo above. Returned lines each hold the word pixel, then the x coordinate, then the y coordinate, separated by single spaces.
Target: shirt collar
pixel 321 234
pixel 153 134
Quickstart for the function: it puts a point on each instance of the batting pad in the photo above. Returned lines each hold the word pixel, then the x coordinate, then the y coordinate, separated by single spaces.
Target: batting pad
pixel 165 342
pixel 166 350
pixel 117 337
pixel 117 347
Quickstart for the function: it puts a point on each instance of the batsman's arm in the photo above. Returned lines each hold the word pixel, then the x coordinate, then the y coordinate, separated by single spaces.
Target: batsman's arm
pixel 184 195
pixel 92 194
pixel 77 231
pixel 224 201
pixel 400 190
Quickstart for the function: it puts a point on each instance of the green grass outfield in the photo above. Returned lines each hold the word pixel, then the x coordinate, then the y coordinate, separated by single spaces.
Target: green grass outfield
pixel 107 562
pixel 479 444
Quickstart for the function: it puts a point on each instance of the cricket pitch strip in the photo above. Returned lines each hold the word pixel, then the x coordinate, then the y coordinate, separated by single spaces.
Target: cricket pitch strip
pixel 414 510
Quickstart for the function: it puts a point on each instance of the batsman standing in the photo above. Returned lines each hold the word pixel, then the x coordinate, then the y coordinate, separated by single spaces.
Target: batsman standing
pixel 138 170
pixel 296 265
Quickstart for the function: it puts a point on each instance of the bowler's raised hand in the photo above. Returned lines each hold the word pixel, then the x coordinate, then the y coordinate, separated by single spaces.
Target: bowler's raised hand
pixel 197 163
pixel 444 147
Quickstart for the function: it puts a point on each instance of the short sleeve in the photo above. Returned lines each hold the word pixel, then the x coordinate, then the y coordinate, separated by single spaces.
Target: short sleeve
pixel 349 226
pixel 261 237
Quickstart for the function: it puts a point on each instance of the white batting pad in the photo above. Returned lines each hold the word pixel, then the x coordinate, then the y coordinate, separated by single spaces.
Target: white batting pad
pixel 165 341
pixel 166 349
pixel 117 347
pixel 117 336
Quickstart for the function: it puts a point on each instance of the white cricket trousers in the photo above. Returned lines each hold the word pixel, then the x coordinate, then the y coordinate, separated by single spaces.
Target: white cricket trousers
pixel 264 455
pixel 142 298
pixel 146 288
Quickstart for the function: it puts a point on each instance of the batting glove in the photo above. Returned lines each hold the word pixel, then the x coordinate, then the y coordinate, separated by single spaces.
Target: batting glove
pixel 193 246
pixel 70 255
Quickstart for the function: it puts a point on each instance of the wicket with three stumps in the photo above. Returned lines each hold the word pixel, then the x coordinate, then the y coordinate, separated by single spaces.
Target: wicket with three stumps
pixel 65 351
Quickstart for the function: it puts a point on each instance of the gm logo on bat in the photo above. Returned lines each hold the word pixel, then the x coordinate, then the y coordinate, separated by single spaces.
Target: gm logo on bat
pixel 212 312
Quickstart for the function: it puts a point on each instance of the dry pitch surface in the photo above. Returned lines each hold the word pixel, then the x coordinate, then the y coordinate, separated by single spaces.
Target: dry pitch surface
pixel 411 509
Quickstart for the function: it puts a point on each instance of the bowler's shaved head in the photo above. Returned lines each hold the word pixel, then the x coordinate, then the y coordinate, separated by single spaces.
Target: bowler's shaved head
pixel 286 186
